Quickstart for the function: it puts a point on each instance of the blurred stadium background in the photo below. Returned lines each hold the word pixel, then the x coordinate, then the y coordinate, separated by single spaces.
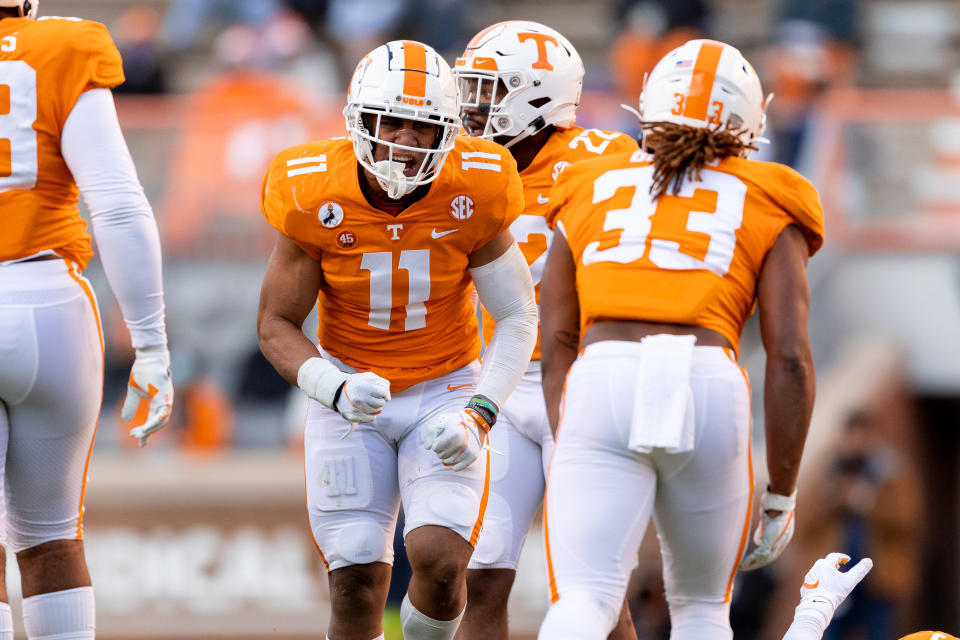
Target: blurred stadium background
pixel 204 535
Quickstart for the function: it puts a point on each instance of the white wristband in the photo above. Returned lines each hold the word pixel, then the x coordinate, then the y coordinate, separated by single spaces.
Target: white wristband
pixel 320 380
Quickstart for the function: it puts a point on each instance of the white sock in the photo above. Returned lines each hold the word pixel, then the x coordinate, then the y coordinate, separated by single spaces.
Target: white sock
pixel 6 622
pixel 60 615
pixel 417 626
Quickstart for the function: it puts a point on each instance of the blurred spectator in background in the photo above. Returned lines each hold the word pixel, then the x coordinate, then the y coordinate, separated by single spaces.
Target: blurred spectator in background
pixel 137 33
pixel 868 505
pixel 232 126
pixel 648 30
pixel 190 23
pixel 359 26
pixel 813 52
pixel 441 23
pixel 355 27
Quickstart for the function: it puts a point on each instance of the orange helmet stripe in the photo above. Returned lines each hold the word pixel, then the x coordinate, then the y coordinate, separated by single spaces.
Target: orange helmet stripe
pixel 414 69
pixel 701 85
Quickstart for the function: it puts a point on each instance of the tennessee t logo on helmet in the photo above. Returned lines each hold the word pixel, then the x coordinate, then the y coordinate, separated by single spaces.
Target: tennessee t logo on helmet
pixel 516 78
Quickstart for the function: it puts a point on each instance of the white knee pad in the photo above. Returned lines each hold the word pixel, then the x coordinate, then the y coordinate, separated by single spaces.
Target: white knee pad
pixel 444 504
pixel 359 541
pixel 694 620
pixel 578 615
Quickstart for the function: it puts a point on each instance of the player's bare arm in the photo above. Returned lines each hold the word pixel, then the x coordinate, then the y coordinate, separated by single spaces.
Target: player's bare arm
pixel 489 252
pixel 784 298
pixel 289 291
pixel 560 324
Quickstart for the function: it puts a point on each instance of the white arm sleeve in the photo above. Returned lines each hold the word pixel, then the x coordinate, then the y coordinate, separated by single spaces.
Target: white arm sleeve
pixel 94 149
pixel 505 288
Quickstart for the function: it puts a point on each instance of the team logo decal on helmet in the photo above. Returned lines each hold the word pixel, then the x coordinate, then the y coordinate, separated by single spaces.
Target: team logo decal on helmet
pixel 705 83
pixel 517 77
pixel 330 214
pixel 407 80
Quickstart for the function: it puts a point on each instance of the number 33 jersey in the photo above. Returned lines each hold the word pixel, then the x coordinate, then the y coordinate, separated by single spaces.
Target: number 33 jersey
pixel 691 257
pixel 395 296
pixel 45 65
pixel 563 148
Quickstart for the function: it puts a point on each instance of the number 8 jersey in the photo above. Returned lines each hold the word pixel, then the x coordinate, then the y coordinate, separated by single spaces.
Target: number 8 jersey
pixel 395 297
pixel 691 257
pixel 44 67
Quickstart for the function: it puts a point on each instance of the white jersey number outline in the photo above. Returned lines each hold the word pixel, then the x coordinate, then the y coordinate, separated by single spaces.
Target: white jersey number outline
pixel 18 139
pixel 416 262
pixel 720 225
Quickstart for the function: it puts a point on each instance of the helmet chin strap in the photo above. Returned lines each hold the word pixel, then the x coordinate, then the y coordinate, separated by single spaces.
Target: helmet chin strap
pixel 390 176
pixel 536 126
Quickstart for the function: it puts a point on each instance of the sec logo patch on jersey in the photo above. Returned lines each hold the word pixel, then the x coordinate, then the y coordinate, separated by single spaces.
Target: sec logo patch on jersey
pixel 330 214
pixel 558 168
pixel 461 207
pixel 347 239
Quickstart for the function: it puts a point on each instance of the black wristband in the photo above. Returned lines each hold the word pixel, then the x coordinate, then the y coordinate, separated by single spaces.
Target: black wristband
pixel 485 407
pixel 336 396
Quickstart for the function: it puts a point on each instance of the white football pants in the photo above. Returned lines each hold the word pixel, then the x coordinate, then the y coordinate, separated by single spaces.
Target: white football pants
pixel 51 385
pixel 600 495
pixel 524 444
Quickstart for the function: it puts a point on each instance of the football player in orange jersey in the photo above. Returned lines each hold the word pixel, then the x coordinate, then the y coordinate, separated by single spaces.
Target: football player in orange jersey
pixel 386 232
pixel 59 132
pixel 660 259
pixel 520 85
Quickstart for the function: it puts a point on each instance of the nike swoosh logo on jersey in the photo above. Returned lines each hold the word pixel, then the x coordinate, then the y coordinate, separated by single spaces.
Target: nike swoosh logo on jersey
pixel 541 199
pixel 812 586
pixel 436 235
pixel 451 387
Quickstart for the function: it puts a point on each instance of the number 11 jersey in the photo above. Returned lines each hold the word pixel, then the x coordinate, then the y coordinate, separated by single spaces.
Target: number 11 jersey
pixel 395 297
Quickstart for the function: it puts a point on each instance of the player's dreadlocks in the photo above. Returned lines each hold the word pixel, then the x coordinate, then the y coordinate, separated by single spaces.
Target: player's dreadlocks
pixel 681 151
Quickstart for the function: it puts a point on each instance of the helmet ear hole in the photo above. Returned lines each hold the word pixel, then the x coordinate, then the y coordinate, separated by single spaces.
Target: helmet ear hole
pixel 539 102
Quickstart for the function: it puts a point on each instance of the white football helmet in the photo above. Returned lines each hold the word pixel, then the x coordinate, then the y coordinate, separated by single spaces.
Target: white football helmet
pixel 706 83
pixel 520 76
pixel 28 8
pixel 409 80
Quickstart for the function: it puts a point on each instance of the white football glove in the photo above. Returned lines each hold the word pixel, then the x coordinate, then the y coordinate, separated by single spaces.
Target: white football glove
pixel 149 393
pixel 774 532
pixel 825 587
pixel 362 395
pixel 456 438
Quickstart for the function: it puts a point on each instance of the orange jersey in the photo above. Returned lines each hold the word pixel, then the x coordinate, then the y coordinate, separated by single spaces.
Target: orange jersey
pixel 44 67
pixel 395 297
pixel 688 258
pixel 563 148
